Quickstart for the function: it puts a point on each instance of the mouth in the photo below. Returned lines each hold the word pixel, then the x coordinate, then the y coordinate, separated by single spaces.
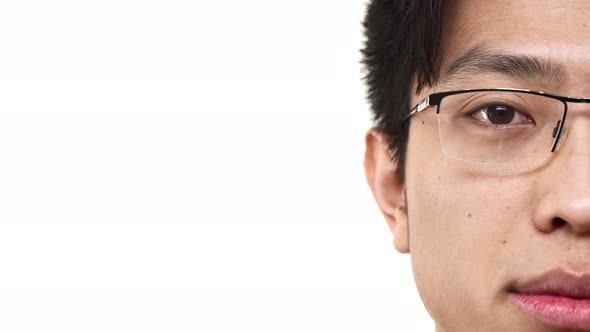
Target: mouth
pixel 557 298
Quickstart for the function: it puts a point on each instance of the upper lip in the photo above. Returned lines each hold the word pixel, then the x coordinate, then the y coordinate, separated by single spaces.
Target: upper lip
pixel 557 283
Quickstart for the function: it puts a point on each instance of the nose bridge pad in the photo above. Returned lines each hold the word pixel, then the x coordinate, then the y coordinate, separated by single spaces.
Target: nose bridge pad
pixel 563 135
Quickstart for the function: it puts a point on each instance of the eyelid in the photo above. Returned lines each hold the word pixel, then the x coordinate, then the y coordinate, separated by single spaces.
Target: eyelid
pixel 494 101
pixel 481 109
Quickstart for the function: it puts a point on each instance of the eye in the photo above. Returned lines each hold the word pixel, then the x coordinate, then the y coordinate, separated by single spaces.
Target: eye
pixel 501 115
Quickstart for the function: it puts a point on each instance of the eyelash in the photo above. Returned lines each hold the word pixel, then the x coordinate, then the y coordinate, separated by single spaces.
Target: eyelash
pixel 483 116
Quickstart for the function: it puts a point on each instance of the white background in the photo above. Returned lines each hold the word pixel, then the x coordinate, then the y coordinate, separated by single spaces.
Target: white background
pixel 190 166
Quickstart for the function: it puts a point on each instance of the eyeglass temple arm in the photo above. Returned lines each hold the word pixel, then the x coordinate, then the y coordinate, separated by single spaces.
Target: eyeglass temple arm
pixel 421 106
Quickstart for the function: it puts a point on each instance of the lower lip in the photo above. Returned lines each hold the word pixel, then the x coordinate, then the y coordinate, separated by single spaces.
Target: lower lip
pixel 560 311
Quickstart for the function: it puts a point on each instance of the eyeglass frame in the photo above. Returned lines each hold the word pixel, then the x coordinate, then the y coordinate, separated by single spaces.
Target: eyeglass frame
pixel 435 99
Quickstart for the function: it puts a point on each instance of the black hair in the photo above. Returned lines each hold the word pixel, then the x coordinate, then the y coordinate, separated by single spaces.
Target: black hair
pixel 402 46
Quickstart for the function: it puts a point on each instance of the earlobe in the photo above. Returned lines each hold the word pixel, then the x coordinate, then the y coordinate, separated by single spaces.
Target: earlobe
pixel 383 179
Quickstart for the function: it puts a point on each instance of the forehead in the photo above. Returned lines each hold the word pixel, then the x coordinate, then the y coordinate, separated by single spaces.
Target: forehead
pixel 555 30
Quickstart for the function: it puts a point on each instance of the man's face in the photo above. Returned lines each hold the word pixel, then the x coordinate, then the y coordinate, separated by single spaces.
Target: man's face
pixel 475 232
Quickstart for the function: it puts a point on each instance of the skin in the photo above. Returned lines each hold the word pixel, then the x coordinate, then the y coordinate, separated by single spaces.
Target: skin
pixel 474 230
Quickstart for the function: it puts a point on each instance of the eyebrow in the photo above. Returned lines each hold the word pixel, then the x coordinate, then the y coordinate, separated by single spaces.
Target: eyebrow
pixel 481 60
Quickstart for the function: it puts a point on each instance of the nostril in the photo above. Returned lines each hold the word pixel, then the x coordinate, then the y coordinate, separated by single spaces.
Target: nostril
pixel 558 222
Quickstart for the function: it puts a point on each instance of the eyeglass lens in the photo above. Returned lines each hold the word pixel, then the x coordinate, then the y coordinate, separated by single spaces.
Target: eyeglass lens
pixel 499 127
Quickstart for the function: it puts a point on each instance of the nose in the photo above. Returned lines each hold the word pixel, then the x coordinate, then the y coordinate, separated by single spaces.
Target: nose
pixel 565 192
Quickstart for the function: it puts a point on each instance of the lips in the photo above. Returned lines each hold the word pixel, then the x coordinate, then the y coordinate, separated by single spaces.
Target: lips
pixel 557 298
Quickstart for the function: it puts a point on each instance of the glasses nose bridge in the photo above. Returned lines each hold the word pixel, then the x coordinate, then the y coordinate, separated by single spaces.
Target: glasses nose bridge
pixel 570 102
pixel 561 130
pixel 585 100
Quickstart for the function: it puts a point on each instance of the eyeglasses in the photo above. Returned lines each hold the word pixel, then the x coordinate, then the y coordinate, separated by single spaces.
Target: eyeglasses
pixel 499 125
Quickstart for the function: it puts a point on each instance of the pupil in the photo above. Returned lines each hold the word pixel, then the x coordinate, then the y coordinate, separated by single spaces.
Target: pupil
pixel 500 114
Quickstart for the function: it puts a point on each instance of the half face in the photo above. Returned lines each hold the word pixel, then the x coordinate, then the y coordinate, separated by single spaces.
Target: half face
pixel 499 248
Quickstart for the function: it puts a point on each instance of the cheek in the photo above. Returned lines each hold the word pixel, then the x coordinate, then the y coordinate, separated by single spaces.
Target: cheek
pixel 461 228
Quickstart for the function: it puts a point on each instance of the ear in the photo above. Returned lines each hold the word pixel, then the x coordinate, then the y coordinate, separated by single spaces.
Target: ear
pixel 383 178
